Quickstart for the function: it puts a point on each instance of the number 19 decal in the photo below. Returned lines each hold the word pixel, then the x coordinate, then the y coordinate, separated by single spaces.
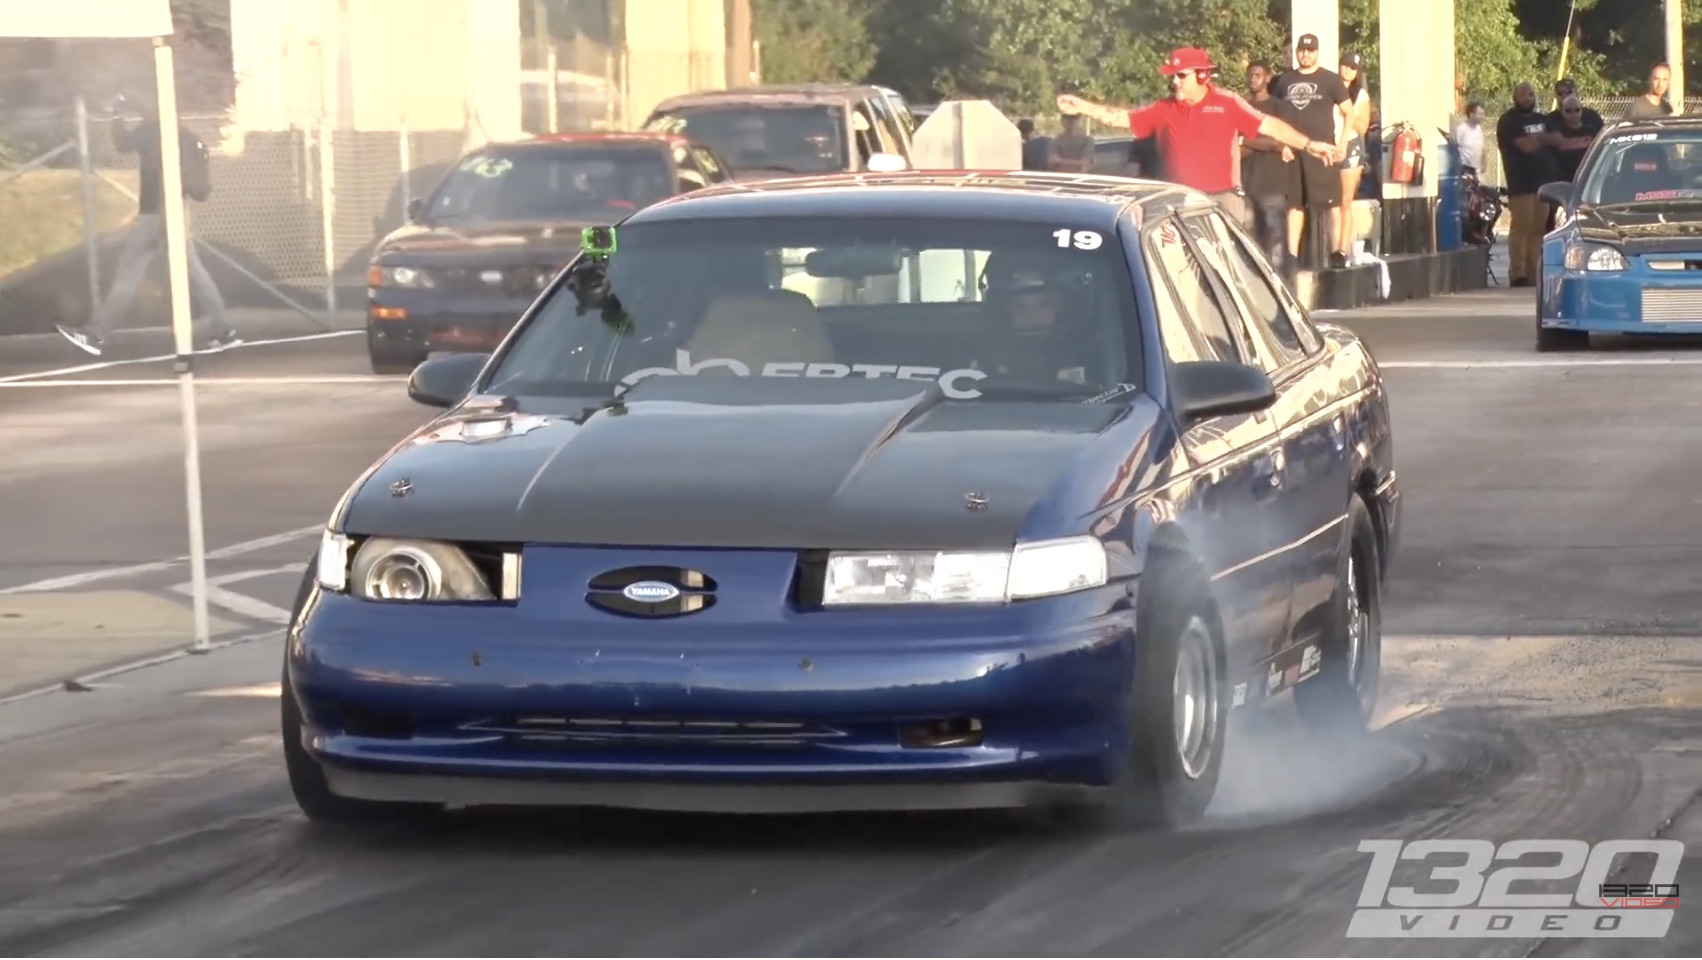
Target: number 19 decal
pixel 1080 239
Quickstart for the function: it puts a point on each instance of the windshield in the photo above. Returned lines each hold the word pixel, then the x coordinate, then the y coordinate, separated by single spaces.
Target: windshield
pixel 984 308
pixel 552 183
pixel 1642 167
pixel 795 139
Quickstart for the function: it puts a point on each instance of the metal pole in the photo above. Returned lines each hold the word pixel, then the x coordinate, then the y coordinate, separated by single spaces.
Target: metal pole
pixel 405 156
pixel 330 106
pixel 86 162
pixel 328 216
pixel 177 258
pixel 739 49
pixel 552 92
pixel 1674 10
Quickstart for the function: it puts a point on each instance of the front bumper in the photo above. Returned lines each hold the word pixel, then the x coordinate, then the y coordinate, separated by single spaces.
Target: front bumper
pixel 1636 301
pixel 413 323
pixel 741 707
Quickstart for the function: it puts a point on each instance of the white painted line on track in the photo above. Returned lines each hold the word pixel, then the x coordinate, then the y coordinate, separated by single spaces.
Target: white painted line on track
pixel 73 580
pixel 164 357
pixel 329 380
pixel 1555 362
pixel 272 690
pixel 237 603
pixel 90 679
pixel 220 596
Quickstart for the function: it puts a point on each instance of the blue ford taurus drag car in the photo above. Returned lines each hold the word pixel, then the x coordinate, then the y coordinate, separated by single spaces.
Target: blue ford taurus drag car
pixel 915 490
pixel 1627 254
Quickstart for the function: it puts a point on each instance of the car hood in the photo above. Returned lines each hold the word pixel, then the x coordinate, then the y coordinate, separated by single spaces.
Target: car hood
pixel 1646 227
pixel 485 241
pixel 786 464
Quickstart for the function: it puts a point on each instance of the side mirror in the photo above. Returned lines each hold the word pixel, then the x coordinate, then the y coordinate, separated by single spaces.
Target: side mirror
pixel 442 381
pixel 415 207
pixel 1214 388
pixel 1558 193
pixel 887 163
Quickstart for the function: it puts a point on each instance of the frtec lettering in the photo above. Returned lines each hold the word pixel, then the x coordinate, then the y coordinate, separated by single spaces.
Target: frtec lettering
pixel 949 380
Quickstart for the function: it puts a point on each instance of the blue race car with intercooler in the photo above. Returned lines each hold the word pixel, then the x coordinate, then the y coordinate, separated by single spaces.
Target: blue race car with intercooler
pixel 913 491
pixel 1626 255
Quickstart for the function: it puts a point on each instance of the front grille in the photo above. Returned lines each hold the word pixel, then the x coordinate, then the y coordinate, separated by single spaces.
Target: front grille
pixel 1668 305
pixel 612 591
pixel 524 281
pixel 656 731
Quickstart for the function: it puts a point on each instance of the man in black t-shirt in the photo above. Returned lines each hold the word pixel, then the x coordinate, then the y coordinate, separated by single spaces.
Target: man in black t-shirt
pixel 1527 163
pixel 1571 130
pixel 1270 172
pixel 1321 108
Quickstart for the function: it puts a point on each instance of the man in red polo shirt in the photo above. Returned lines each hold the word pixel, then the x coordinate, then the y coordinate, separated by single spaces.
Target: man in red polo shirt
pixel 1199 130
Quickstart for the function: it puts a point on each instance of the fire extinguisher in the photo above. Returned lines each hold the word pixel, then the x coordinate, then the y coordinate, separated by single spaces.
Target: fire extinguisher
pixel 1405 155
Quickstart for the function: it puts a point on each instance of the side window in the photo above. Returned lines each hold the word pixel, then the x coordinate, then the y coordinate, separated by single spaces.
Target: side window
pixel 709 165
pixel 1207 247
pixel 1270 313
pixel 1196 300
pixel 891 129
pixel 867 142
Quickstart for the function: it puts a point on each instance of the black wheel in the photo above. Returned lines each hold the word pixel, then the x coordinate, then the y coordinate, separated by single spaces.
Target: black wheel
pixel 1342 696
pixel 1177 714
pixel 1557 339
pixel 387 360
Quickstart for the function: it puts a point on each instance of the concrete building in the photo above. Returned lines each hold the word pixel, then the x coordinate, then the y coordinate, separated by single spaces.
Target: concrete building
pixel 476 64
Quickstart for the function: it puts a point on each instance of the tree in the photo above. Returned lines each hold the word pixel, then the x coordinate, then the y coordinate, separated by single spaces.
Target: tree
pixel 811 40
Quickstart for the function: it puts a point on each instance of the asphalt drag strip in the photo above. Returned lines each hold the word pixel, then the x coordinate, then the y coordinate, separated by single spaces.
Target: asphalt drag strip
pixel 159 823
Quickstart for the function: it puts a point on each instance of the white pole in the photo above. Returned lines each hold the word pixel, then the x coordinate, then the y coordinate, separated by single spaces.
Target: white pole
pixel 552 93
pixel 330 121
pixel 1674 10
pixel 177 259
pixel 406 147
pixel 85 162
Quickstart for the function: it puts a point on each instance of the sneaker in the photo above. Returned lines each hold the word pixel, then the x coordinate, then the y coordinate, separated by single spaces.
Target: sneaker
pixel 220 341
pixel 82 340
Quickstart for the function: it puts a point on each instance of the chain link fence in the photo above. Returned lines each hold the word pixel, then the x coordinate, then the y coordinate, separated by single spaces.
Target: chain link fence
pixel 295 213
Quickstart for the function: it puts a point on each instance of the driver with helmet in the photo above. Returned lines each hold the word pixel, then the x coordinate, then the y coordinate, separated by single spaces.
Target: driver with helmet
pixel 1039 335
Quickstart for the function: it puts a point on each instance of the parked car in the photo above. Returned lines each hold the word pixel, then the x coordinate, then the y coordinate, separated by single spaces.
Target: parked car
pixel 486 241
pixel 791 130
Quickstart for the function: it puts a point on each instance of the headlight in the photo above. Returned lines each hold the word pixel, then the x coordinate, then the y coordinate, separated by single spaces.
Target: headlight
pixel 377 276
pixel 1039 569
pixel 1593 256
pixel 392 569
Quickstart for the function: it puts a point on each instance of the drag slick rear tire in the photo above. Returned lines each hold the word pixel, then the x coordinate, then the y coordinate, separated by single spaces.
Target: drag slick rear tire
pixel 1342 696
pixel 313 794
pixel 1177 712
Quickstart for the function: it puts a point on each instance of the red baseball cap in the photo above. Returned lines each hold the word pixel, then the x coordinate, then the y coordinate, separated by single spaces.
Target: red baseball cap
pixel 1187 60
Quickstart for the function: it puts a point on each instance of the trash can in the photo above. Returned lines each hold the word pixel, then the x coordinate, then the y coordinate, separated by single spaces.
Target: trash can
pixel 1450 207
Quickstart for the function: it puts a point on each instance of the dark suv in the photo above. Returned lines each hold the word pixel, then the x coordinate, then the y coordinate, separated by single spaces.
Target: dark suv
pixel 810 129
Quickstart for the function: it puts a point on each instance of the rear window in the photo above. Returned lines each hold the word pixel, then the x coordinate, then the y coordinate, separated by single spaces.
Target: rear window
pixel 593 182
pixel 805 138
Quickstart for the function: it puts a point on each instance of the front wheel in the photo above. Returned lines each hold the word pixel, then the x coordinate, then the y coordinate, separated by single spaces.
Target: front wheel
pixel 1176 712
pixel 1555 339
